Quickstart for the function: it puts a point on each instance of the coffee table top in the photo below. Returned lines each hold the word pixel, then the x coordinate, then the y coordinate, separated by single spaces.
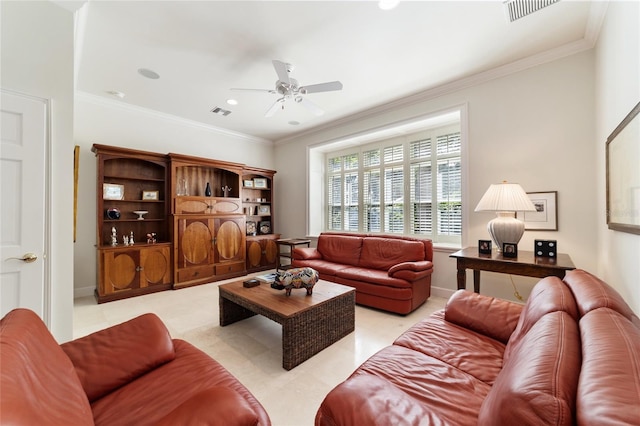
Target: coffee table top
pixel 276 300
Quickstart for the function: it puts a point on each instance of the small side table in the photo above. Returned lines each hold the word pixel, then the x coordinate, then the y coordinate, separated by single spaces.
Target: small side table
pixel 291 243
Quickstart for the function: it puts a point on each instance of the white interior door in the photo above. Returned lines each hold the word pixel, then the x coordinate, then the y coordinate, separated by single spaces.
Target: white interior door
pixel 23 148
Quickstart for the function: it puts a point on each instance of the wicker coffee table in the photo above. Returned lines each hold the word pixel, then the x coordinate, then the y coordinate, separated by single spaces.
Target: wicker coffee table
pixel 309 323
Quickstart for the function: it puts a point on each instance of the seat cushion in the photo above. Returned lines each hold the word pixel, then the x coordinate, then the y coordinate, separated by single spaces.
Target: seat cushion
pixel 400 386
pixel 38 382
pixel 478 355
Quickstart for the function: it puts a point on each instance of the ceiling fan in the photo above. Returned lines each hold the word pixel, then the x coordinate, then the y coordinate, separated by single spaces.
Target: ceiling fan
pixel 289 90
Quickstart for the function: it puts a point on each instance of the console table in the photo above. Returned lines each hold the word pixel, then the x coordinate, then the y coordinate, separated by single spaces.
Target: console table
pixel 525 264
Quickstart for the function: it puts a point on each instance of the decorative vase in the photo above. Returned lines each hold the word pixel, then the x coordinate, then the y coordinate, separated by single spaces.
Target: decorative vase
pixel 207 190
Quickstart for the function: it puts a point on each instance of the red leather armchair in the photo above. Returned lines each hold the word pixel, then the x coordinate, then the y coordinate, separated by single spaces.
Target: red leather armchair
pixel 132 373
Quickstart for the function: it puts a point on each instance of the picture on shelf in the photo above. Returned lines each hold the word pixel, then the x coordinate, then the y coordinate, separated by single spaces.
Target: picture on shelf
pixel 112 191
pixel 510 250
pixel 248 183
pixel 264 210
pixel 150 195
pixel 251 227
pixel 265 227
pixel 259 182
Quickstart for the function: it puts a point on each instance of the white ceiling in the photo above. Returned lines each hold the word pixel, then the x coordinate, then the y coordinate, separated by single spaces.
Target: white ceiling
pixel 201 49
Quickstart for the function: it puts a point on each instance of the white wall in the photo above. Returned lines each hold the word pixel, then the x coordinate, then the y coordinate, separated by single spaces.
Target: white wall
pixel 535 127
pixel 37 59
pixel 617 92
pixel 115 123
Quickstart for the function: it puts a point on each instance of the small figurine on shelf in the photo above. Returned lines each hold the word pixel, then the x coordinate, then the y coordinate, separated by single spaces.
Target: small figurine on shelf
pixel 114 236
pixel 125 240
pixel 207 190
pixel 151 238
pixel 225 190
pixel 131 242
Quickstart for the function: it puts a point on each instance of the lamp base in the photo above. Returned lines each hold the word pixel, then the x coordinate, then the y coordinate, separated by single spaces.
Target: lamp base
pixel 505 228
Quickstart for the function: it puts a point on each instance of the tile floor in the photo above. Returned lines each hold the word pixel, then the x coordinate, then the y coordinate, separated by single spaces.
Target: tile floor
pixel 251 349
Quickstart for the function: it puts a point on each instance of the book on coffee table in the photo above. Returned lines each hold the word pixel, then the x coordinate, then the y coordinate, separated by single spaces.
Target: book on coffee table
pixel 266 278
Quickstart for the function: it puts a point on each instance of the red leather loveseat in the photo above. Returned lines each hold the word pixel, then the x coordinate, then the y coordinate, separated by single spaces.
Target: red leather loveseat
pixel 570 356
pixel 129 374
pixel 389 272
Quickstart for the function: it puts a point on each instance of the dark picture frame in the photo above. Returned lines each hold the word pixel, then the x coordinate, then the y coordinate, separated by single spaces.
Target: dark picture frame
pixel 484 246
pixel 509 250
pixel 623 175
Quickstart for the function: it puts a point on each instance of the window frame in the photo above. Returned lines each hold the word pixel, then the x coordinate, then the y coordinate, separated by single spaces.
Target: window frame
pixel 407 201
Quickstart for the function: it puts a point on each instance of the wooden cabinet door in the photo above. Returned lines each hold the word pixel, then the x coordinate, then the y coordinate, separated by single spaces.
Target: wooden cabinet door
pixel 230 239
pixel 262 253
pixel 155 266
pixel 254 254
pixel 120 271
pixel 195 242
pixel 270 253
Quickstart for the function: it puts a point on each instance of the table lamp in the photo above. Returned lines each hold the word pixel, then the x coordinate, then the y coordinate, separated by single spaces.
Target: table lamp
pixel 505 199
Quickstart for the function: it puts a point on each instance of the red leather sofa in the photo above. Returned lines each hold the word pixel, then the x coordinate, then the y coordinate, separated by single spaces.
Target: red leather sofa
pixel 129 374
pixel 570 356
pixel 389 272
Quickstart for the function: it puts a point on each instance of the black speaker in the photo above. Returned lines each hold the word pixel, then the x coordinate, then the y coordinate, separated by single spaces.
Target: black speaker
pixel 545 248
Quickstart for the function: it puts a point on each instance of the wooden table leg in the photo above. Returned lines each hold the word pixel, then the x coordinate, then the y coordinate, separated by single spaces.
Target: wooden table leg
pixel 462 277
pixel 476 281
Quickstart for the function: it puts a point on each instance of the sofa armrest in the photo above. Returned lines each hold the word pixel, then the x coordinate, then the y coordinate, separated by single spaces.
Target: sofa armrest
pixel 117 355
pixel 305 253
pixel 411 271
pixel 486 315
pixel 215 406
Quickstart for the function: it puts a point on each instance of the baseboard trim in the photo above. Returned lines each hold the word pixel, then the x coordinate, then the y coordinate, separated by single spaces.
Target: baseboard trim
pixel 83 292
pixel 445 293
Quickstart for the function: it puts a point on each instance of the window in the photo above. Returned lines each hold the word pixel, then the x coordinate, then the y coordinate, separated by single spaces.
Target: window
pixel 410 185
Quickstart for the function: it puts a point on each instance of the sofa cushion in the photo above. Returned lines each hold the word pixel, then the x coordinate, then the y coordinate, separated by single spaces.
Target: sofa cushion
pixel 372 276
pixel 488 316
pixel 476 354
pixel 110 358
pixel 609 392
pixel 217 406
pixel 38 382
pixel 538 383
pixel 548 295
pixel 383 253
pixel 591 293
pixel 340 249
pixel 156 394
pixel 399 386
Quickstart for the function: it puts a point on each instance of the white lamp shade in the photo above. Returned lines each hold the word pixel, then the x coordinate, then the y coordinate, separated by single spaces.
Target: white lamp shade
pixel 505 197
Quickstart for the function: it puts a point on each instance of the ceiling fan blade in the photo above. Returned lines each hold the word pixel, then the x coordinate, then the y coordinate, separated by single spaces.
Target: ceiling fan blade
pixel 274 108
pixel 315 109
pixel 322 87
pixel 281 70
pixel 252 90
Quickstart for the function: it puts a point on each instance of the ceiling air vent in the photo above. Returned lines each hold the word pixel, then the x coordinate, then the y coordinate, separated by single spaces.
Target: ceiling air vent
pixel 517 9
pixel 220 111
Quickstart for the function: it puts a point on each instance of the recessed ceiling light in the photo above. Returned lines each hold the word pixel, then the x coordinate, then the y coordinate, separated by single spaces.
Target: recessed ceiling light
pixel 294 123
pixel 148 73
pixel 232 102
pixel 388 4
pixel 116 93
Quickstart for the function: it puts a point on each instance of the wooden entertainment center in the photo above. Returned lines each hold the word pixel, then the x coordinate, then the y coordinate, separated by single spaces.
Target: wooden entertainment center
pixel 188 218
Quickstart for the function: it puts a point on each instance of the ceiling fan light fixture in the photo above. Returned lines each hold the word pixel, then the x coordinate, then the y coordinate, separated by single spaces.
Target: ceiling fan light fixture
pixel 148 73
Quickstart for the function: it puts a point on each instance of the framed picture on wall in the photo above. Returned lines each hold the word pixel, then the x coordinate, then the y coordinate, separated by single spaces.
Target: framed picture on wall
pixel 545 218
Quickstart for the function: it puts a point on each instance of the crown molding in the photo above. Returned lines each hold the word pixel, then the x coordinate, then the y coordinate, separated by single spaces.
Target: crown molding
pixel 460 84
pixel 123 106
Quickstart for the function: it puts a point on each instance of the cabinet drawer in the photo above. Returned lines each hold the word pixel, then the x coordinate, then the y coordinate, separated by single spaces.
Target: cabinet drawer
pixel 196 273
pixel 229 268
